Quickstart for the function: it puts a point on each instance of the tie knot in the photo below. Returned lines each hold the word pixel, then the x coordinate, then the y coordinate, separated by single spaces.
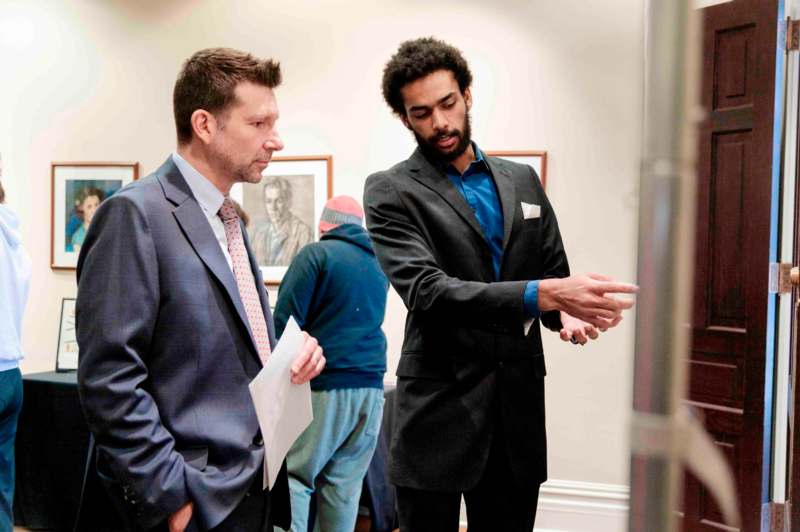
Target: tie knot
pixel 228 211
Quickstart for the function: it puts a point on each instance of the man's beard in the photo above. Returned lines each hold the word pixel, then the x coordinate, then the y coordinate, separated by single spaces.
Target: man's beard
pixel 239 172
pixel 432 153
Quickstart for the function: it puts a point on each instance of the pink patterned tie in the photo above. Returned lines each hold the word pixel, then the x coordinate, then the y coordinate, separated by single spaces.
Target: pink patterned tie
pixel 244 278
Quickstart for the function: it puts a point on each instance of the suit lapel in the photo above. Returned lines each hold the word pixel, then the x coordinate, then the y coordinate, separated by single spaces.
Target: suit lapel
pixel 435 179
pixel 508 196
pixel 193 222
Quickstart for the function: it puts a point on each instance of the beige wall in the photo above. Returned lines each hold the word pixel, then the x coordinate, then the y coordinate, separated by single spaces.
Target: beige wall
pixel 91 81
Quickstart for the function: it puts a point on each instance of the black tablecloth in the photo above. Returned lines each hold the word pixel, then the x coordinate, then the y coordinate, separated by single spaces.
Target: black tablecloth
pixel 52 440
pixel 51 458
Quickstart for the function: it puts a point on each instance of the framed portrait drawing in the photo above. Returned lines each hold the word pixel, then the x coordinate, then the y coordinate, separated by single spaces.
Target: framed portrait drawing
pixel 67 352
pixel 283 209
pixel 534 158
pixel 77 189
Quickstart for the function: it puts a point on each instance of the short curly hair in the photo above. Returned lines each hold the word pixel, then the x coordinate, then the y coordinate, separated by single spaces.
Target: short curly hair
pixel 416 59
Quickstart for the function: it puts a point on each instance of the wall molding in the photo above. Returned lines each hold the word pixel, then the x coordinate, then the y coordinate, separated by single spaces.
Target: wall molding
pixel 574 506
pixel 569 505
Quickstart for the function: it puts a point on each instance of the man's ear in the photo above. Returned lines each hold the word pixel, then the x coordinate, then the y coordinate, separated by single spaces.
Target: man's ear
pixel 404 119
pixel 468 98
pixel 204 125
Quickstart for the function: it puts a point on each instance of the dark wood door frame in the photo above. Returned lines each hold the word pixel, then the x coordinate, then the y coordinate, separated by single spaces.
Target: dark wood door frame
pixel 793 466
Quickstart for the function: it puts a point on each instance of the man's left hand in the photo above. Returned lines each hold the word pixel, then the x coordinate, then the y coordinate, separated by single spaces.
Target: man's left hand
pixel 179 520
pixel 578 329
pixel 309 362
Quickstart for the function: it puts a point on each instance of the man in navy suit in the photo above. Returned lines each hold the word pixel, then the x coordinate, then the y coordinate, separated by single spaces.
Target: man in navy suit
pixel 173 321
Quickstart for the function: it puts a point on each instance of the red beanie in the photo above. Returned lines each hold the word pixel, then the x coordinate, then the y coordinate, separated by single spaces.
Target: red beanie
pixel 340 210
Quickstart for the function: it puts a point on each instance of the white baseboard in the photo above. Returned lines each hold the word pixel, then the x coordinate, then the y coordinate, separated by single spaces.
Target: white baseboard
pixel 572 506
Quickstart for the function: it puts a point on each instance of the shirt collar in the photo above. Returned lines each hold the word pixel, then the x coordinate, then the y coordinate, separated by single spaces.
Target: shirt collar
pixel 207 195
pixel 478 153
pixel 477 165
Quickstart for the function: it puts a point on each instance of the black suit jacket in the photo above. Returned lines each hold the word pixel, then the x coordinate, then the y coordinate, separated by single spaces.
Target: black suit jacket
pixel 467 368
pixel 166 357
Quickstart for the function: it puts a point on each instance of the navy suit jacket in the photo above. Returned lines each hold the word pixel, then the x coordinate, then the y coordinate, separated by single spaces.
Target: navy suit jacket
pixel 166 356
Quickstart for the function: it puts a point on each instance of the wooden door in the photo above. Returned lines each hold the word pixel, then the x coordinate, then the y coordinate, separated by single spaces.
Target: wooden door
pixel 727 358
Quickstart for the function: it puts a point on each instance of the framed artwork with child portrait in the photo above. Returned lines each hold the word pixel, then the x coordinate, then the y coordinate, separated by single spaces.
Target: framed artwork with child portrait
pixel 78 189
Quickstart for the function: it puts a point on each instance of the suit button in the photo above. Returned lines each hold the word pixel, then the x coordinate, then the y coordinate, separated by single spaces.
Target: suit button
pixel 258 440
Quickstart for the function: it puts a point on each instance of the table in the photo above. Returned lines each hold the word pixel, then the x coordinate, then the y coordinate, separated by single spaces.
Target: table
pixel 51 459
pixel 51 445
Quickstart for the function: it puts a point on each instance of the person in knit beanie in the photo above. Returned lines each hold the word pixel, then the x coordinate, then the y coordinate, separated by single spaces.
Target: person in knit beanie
pixel 336 292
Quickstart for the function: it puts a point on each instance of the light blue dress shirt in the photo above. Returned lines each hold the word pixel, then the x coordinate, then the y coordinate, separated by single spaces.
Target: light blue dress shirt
pixel 210 199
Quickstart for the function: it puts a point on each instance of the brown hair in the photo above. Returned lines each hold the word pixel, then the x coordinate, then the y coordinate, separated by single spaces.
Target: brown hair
pixel 208 80
pixel 87 192
pixel 2 194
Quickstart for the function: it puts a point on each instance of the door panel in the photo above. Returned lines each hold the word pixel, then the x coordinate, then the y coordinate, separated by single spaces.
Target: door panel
pixel 726 361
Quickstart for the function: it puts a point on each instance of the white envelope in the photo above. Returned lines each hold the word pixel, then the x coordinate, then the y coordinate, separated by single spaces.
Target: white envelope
pixel 283 408
pixel 530 210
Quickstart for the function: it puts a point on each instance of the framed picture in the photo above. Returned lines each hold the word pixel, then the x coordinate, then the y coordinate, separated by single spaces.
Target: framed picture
pixel 283 209
pixel 533 158
pixel 77 190
pixel 67 352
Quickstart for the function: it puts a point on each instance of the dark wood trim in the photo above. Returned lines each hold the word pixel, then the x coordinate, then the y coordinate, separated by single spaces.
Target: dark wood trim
pixel 793 468
pixel 53 216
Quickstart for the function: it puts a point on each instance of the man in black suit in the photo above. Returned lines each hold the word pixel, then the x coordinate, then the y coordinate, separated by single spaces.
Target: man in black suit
pixel 472 246
pixel 173 321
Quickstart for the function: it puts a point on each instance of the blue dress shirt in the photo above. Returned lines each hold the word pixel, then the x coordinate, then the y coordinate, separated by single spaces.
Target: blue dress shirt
pixel 477 186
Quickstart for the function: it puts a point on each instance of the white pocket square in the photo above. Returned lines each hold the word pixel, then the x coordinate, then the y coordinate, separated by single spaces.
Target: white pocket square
pixel 530 210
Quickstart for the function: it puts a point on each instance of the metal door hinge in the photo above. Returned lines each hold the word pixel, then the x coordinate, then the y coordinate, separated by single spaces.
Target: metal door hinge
pixel 792 34
pixel 782 276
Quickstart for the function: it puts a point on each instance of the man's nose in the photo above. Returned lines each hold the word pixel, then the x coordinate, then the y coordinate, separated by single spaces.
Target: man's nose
pixel 439 121
pixel 274 142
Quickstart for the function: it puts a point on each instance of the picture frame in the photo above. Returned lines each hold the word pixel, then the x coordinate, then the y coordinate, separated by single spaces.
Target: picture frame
pixel 537 159
pixel 293 190
pixel 77 188
pixel 67 351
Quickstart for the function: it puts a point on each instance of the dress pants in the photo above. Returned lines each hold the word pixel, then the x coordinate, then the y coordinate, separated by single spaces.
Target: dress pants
pixel 495 503
pixel 10 407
